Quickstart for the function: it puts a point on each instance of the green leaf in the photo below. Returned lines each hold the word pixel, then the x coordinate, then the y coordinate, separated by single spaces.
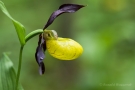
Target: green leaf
pixel 18 26
pixel 20 31
pixel 7 74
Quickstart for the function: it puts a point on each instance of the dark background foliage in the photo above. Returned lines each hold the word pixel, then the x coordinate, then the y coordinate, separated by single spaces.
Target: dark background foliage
pixel 105 29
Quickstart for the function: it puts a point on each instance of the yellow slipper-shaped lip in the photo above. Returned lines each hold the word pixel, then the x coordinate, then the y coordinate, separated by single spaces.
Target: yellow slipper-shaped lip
pixel 64 48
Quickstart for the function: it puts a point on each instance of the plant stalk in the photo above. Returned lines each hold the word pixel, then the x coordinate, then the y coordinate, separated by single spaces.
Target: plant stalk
pixel 28 37
pixel 19 67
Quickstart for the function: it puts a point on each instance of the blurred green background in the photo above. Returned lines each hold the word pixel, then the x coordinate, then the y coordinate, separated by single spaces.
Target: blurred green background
pixel 105 29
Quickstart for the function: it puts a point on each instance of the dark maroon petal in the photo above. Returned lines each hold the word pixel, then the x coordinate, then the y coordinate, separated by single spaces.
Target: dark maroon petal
pixel 40 55
pixel 65 8
pixel 41 68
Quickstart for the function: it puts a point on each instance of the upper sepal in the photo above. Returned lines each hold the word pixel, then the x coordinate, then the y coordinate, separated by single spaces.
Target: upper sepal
pixel 70 7
pixel 65 8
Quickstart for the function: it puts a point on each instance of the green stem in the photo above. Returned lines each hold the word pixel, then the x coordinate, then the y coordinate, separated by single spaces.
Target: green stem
pixel 19 67
pixel 33 33
pixel 28 37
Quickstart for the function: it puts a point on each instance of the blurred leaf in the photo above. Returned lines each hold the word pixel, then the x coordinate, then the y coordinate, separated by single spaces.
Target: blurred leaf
pixel 7 74
pixel 18 26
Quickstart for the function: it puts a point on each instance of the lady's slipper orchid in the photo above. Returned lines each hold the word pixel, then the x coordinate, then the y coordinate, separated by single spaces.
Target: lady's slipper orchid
pixel 73 50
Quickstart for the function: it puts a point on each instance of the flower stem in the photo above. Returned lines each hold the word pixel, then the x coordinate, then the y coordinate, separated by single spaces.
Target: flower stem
pixel 19 67
pixel 33 33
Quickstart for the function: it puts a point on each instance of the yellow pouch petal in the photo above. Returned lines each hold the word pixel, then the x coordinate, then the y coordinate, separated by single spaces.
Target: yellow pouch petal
pixel 64 48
